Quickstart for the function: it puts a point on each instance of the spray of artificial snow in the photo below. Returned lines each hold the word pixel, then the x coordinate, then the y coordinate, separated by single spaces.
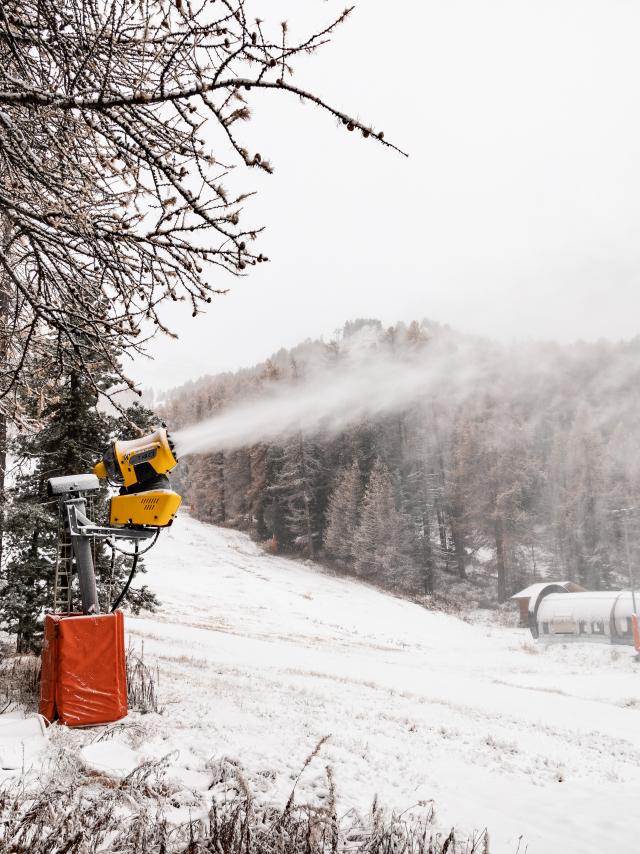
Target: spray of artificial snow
pixel 330 398
pixel 368 378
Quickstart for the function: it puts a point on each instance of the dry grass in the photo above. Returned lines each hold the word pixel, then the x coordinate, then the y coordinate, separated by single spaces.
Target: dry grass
pixel 19 680
pixel 71 810
pixel 74 811
pixel 142 683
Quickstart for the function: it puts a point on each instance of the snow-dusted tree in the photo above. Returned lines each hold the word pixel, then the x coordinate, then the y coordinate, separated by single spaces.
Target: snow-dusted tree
pixel 586 503
pixel 500 501
pixel 73 438
pixel 418 484
pixel 119 122
pixel 621 467
pixel 206 488
pixel 381 546
pixel 459 483
pixel 299 471
pixel 237 482
pixel 343 515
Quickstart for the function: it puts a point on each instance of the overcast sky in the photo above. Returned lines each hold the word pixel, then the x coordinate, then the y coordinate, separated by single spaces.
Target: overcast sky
pixel 517 214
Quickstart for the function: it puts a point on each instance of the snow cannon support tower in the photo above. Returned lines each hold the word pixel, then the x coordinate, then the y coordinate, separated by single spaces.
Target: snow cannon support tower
pixel 83 678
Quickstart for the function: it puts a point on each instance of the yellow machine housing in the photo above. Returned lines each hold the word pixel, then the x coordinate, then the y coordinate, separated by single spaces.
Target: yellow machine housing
pixel 156 508
pixel 153 449
pixel 140 467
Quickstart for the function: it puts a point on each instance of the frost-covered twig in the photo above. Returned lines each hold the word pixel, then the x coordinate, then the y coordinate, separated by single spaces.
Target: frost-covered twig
pixel 119 124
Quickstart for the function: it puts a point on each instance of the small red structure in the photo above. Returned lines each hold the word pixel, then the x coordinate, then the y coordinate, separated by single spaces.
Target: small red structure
pixel 84 678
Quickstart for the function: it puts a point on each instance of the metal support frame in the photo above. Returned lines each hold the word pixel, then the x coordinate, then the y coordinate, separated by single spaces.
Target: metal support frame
pixel 82 530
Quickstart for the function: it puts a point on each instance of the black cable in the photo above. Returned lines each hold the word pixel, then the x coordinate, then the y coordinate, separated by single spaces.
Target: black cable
pixel 113 546
pixel 135 555
pixel 125 589
pixel 111 568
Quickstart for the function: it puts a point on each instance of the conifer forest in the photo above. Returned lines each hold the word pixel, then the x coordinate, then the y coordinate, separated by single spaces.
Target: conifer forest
pixel 469 493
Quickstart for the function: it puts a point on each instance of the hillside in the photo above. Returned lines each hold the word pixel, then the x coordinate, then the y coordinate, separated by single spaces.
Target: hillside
pixel 402 455
pixel 261 656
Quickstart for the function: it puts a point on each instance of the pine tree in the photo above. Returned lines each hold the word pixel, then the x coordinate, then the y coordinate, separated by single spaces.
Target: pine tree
pixel 256 494
pixel 73 436
pixel 500 500
pixel 381 544
pixel 461 482
pixel 274 506
pixel 343 515
pixel 296 485
pixel 417 499
pixel 586 501
pixel 206 489
pixel 236 483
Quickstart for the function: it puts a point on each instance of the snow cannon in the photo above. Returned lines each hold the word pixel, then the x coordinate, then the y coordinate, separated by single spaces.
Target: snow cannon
pixel 83 679
pixel 146 504
pixel 140 468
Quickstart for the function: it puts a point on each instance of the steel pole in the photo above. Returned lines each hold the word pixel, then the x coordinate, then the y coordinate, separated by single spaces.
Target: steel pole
pixel 629 564
pixel 84 565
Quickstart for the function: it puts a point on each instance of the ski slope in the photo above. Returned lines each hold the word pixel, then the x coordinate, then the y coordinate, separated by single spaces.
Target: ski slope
pixel 261 656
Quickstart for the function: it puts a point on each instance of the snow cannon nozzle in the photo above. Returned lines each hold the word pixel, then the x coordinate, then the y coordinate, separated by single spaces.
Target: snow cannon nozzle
pixel 140 468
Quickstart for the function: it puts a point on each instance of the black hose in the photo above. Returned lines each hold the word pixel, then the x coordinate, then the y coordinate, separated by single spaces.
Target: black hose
pixel 113 546
pixel 125 589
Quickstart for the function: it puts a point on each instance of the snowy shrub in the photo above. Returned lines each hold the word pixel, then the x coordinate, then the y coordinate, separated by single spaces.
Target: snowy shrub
pixel 142 683
pixel 19 680
pixel 73 809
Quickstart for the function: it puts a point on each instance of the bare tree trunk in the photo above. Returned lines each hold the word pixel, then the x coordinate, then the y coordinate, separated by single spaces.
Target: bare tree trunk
pixel 307 517
pixel 3 468
pixel 500 561
pixel 24 634
pixel 440 493
pixel 442 533
pixel 4 344
pixel 307 502
pixel 458 544
pixel 427 553
pixel 222 509
pixel 593 573
pixel 257 489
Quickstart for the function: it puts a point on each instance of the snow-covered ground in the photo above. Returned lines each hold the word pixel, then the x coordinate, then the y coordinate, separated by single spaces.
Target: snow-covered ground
pixel 261 656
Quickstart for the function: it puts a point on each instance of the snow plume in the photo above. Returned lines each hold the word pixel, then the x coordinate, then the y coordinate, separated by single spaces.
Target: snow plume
pixel 363 382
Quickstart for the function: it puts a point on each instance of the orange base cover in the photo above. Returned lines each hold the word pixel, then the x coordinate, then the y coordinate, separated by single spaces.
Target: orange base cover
pixel 83 679
pixel 636 632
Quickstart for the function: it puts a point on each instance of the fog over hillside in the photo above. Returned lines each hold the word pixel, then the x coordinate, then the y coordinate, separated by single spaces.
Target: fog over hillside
pixel 423 459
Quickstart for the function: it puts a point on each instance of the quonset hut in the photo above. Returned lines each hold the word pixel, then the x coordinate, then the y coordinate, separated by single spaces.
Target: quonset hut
pixel 524 596
pixel 604 616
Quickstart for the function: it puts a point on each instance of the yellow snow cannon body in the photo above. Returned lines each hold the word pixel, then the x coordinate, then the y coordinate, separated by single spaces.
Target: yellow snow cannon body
pixel 140 467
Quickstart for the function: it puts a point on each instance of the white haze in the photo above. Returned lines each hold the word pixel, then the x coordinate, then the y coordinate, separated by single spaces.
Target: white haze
pixel 332 397
pixel 366 377
pixel 517 214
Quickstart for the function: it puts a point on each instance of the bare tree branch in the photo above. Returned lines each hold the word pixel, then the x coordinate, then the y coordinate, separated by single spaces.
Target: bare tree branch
pixel 114 117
